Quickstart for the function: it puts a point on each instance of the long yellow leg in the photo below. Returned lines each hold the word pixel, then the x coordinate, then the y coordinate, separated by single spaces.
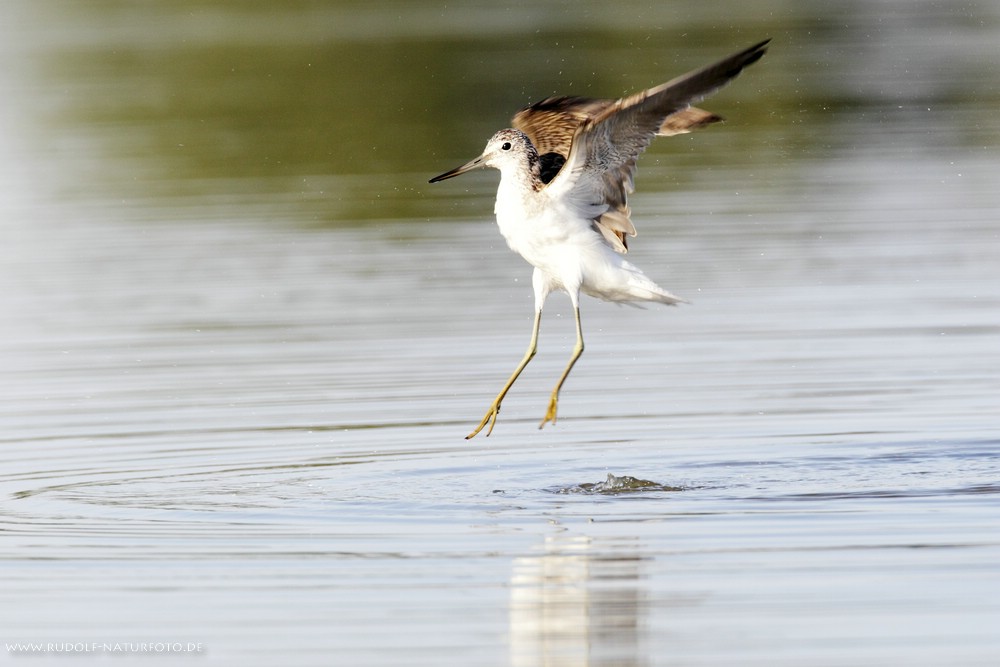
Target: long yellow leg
pixel 550 416
pixel 491 414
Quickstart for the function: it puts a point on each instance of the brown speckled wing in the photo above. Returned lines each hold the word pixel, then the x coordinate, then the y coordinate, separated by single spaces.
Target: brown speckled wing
pixel 608 141
pixel 551 125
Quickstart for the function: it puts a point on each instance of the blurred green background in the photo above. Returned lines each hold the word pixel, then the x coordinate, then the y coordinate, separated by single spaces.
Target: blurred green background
pixel 337 112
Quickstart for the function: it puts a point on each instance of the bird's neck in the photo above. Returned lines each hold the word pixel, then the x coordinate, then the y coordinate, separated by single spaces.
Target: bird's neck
pixel 518 196
pixel 525 176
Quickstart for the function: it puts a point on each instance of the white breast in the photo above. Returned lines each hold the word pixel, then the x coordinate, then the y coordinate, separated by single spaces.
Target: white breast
pixel 538 228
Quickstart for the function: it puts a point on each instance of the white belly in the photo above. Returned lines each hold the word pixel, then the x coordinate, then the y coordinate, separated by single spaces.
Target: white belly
pixel 564 246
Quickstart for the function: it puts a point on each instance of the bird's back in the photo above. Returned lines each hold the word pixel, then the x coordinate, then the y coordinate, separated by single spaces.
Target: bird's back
pixel 602 139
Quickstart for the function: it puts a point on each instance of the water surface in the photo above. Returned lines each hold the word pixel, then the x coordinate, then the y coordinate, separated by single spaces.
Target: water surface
pixel 242 341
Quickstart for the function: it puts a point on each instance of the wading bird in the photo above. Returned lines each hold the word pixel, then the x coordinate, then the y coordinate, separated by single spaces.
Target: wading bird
pixel 566 169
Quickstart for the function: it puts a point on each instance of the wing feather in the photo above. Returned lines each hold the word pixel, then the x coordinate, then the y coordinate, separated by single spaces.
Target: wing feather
pixel 551 125
pixel 609 136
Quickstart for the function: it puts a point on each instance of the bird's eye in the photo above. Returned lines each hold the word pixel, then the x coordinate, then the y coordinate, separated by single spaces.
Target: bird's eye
pixel 506 146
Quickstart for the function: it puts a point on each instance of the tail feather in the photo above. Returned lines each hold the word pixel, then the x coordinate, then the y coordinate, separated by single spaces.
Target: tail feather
pixel 660 295
pixel 641 288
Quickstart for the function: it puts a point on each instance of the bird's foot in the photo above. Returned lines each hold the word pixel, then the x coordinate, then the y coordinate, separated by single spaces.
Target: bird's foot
pixel 550 414
pixel 490 418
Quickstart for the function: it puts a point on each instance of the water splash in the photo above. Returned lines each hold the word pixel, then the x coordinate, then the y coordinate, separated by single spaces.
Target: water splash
pixel 615 485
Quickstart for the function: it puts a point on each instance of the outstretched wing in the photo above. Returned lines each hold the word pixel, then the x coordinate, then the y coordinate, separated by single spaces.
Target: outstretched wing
pixel 600 165
pixel 551 125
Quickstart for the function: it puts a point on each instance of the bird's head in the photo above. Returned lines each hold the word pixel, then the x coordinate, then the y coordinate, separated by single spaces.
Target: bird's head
pixel 507 149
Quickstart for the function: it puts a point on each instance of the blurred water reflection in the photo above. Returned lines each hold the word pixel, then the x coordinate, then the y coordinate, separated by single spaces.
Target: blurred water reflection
pixel 579 603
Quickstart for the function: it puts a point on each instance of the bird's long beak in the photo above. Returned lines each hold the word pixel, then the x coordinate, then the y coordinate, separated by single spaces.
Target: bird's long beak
pixel 457 171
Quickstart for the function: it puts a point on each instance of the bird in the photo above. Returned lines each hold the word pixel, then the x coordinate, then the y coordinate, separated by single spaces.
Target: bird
pixel 566 168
